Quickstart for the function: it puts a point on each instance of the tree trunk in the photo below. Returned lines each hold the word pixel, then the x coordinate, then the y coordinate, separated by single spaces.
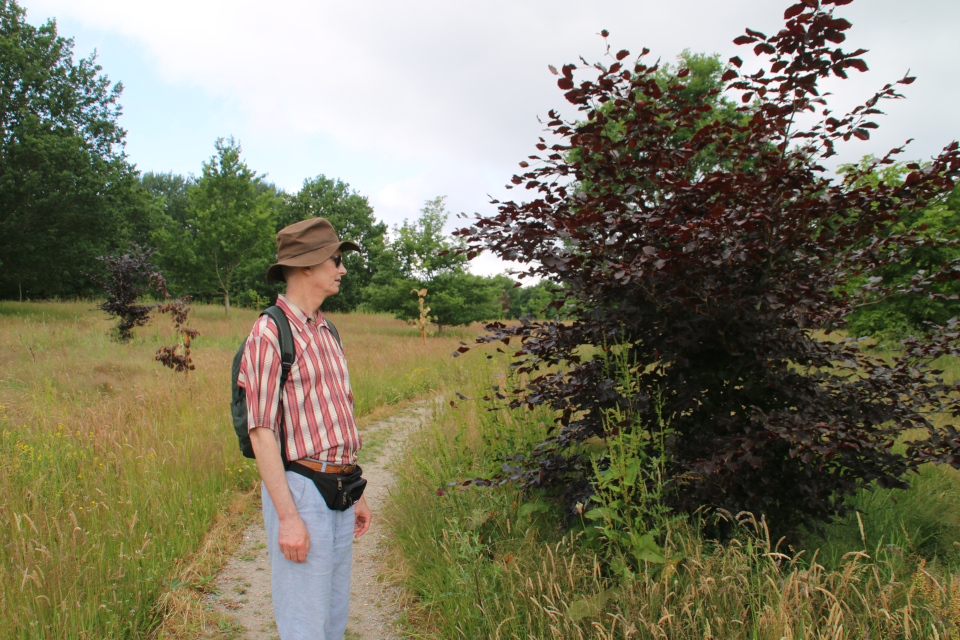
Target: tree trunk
pixel 226 302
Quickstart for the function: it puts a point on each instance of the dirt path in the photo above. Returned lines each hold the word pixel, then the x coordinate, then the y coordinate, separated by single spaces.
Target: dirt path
pixel 242 589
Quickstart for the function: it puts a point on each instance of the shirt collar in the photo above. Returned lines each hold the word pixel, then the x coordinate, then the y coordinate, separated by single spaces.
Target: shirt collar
pixel 300 319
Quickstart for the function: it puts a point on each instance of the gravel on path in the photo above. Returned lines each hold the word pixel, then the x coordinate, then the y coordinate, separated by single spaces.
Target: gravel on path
pixel 241 591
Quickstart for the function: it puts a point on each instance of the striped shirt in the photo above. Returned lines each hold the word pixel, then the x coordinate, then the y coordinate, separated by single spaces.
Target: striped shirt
pixel 317 401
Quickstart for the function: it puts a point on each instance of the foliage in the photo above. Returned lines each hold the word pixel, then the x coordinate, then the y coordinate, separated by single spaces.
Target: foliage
pixel 174 191
pixel 230 227
pixel 128 275
pixel 894 317
pixel 716 276
pixel 534 301
pixel 424 318
pixel 629 520
pixel 424 251
pixel 67 193
pixel 492 563
pixel 421 256
pixel 173 357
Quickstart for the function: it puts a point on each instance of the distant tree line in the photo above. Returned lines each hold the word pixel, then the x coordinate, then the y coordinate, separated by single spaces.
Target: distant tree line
pixel 69 194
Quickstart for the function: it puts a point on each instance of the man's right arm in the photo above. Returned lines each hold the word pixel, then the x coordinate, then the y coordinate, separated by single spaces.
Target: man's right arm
pixel 259 376
pixel 294 539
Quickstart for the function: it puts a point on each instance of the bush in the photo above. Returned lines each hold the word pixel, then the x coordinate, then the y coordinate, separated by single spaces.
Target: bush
pixel 713 247
pixel 128 276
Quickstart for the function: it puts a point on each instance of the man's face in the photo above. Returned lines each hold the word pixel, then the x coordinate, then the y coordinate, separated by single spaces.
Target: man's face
pixel 324 278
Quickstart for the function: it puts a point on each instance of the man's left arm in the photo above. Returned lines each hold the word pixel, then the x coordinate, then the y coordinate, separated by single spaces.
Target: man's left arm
pixel 362 516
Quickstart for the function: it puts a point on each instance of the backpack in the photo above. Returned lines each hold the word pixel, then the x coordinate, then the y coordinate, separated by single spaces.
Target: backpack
pixel 238 395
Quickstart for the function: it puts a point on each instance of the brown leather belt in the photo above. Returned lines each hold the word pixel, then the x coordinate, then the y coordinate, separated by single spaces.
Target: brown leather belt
pixel 326 467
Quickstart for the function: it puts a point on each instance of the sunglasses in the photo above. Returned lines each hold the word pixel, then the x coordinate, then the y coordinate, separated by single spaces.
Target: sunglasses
pixel 337 260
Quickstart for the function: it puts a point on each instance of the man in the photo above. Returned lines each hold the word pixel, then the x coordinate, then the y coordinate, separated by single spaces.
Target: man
pixel 310 544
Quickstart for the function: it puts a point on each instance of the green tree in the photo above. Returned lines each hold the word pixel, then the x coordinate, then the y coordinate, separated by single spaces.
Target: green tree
pixel 67 193
pixel 232 226
pixel 174 192
pixel 893 316
pixel 422 248
pixel 458 298
pixel 533 302
pixel 174 232
pixel 422 256
pixel 352 216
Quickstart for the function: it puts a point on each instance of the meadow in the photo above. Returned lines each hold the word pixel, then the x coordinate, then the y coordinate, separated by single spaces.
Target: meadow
pixel 119 475
pixel 115 467
pixel 493 563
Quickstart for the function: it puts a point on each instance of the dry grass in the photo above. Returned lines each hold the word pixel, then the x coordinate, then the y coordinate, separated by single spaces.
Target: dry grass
pixel 115 468
pixel 491 563
pixel 181 608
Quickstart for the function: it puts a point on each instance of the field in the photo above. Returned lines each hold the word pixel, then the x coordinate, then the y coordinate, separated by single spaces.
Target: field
pixel 492 563
pixel 115 467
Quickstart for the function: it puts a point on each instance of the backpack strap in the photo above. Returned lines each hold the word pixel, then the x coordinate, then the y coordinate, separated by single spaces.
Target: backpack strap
pixel 288 353
pixel 333 330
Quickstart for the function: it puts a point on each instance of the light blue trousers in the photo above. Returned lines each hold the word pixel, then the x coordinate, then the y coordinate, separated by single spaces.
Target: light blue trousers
pixel 311 599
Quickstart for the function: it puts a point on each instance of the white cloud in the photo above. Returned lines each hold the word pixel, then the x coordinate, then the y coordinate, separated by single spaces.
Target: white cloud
pixel 408 101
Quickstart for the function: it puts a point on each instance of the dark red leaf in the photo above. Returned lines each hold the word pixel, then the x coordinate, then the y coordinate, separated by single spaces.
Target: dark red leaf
pixel 907 80
pixel 834 36
pixel 622 54
pixel 604 33
pixel 858 64
pixel 794 11
pixel 756 34
pixel 863 134
pixel 729 75
pixel 565 83
pixel 743 40
pixel 553 69
pixel 736 61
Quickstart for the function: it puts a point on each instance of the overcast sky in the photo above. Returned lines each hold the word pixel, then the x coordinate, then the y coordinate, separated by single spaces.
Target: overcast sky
pixel 409 100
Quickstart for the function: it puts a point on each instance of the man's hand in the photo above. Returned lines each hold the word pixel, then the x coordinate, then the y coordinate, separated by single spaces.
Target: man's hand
pixel 294 539
pixel 362 517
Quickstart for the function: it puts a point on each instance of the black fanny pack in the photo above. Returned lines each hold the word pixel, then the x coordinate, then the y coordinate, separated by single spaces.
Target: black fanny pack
pixel 339 490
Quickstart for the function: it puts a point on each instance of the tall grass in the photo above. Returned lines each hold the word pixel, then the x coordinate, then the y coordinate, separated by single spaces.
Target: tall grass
pixel 492 563
pixel 114 467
